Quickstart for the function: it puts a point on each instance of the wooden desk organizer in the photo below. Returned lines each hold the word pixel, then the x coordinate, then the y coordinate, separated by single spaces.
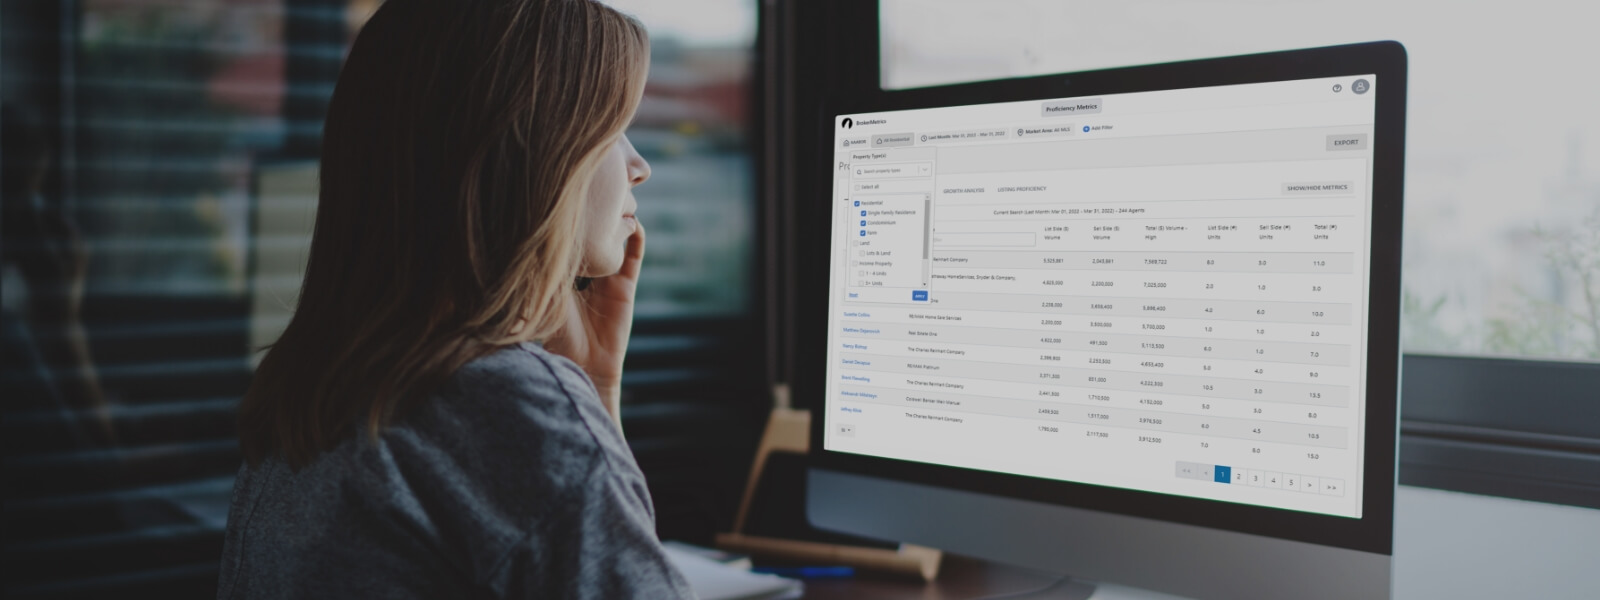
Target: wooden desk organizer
pixel 789 430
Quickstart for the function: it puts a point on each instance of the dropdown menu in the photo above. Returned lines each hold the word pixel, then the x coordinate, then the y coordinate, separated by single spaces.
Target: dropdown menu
pixel 891 253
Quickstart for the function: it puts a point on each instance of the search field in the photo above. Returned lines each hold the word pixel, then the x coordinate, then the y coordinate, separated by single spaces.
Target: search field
pixel 894 170
pixel 985 239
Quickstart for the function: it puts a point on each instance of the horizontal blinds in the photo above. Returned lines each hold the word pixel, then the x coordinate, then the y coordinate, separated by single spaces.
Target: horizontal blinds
pixel 186 139
pixel 167 112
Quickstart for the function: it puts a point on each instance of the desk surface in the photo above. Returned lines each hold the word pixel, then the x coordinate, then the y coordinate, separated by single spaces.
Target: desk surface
pixel 1447 545
pixel 959 577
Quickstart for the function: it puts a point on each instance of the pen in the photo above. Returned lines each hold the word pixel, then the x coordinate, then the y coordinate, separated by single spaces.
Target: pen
pixel 807 572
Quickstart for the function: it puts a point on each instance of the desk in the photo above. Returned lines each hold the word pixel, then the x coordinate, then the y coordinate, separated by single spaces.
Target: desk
pixel 1447 545
pixel 960 577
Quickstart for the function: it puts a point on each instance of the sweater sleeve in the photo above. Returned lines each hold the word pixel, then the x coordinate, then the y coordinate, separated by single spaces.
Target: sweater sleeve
pixel 595 538
pixel 509 481
pixel 607 549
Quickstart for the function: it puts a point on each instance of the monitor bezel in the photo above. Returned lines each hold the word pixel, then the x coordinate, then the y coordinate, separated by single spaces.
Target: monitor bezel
pixel 1373 531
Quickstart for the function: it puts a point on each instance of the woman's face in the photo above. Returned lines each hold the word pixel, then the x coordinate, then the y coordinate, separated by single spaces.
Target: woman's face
pixel 608 216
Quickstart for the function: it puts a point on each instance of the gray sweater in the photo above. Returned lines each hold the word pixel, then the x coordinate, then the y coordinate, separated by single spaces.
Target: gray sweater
pixel 510 482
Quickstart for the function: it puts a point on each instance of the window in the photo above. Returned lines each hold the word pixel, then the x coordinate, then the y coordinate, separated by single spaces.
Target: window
pixel 698 206
pixel 160 185
pixel 140 129
pixel 696 385
pixel 1484 275
pixel 1502 254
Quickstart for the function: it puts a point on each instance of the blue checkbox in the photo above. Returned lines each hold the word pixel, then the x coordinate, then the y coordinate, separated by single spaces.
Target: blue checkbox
pixel 863 223
pixel 863 213
pixel 858 203
pixel 863 233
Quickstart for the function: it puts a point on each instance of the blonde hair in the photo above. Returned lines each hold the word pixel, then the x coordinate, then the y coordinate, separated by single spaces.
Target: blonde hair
pixel 456 160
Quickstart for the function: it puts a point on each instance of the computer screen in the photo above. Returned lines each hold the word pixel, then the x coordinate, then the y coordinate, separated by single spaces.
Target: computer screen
pixel 1161 291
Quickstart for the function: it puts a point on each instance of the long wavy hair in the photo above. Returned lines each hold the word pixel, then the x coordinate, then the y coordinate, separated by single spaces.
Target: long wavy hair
pixel 455 163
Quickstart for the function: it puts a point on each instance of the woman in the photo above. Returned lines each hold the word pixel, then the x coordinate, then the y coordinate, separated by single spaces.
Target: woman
pixel 439 419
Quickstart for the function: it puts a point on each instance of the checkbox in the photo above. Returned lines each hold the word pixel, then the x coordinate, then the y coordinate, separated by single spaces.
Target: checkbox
pixel 863 213
pixel 863 223
pixel 858 203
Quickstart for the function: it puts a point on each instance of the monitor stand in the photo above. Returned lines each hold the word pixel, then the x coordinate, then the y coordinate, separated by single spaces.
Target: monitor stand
pixel 1075 589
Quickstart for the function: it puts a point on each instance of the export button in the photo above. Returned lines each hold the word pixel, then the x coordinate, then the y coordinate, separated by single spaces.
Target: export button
pixel 1351 141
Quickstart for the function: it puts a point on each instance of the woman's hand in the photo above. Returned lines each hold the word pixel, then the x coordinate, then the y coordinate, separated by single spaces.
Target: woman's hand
pixel 599 324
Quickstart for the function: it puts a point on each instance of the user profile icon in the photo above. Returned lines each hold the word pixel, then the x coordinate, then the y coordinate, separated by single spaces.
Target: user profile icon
pixel 1361 86
pixel 848 123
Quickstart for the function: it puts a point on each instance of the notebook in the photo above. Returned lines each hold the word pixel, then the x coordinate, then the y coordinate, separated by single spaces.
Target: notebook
pixel 712 580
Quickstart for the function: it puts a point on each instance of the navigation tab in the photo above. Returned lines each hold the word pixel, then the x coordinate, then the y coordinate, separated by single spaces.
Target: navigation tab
pixel 965 135
pixel 1045 131
pixel 891 140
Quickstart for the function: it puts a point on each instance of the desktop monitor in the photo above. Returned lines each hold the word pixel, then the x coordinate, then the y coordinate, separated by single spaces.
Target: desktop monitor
pixel 1136 326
